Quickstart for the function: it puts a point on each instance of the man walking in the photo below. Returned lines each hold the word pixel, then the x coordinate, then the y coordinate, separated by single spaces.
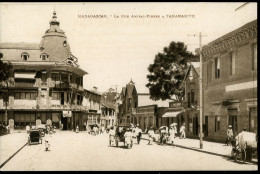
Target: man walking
pixel 182 131
pixel 229 135
pixel 138 133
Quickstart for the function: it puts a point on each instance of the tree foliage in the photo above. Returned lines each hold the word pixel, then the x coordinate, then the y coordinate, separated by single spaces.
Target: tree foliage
pixel 168 71
pixel 6 70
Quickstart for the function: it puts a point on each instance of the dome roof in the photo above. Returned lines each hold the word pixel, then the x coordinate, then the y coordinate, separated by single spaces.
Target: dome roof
pixel 54 42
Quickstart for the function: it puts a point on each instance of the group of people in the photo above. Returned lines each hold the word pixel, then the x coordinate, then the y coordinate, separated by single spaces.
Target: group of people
pixel 165 135
pixel 128 134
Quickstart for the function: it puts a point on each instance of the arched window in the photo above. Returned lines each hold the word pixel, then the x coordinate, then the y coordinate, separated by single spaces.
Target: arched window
pixel 44 56
pixel 25 56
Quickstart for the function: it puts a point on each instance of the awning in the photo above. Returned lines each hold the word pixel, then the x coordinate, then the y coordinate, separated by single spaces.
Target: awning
pixel 171 114
pixel 66 113
pixel 27 75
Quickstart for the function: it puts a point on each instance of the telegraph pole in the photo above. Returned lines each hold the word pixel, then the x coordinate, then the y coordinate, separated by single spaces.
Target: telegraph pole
pixel 116 121
pixel 201 95
pixel 200 86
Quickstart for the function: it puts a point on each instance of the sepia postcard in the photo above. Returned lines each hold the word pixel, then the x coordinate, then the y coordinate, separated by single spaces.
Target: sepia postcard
pixel 128 86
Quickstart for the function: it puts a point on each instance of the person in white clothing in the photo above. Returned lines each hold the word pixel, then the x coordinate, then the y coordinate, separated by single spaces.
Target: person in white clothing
pixel 138 133
pixel 172 133
pixel 182 131
pixel 151 136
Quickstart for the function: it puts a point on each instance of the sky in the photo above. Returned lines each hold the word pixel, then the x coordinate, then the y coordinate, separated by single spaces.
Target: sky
pixel 115 49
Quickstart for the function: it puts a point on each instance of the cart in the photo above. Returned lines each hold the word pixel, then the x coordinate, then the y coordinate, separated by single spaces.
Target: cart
pixel 244 146
pixel 35 137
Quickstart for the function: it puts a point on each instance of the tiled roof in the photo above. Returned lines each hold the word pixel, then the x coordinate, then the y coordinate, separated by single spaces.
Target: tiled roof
pixel 107 104
pixel 19 45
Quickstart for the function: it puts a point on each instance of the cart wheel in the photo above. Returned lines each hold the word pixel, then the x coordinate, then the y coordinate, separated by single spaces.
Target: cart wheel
pixel 235 156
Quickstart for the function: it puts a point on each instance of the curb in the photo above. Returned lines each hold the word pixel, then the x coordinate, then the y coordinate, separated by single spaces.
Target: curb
pixel 2 165
pixel 198 150
pixel 203 151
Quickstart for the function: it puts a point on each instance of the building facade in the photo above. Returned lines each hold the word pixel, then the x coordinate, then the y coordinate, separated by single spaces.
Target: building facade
pixel 48 83
pixel 137 108
pixel 192 100
pixel 230 82
pixel 108 113
pixel 92 108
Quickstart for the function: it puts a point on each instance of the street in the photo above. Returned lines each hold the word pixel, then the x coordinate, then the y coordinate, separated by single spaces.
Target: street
pixel 70 151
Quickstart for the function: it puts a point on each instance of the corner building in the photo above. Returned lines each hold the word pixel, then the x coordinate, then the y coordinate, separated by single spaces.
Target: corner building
pixel 230 82
pixel 48 83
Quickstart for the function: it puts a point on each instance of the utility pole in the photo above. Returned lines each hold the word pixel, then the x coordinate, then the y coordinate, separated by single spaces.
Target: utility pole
pixel 116 121
pixel 201 95
pixel 200 86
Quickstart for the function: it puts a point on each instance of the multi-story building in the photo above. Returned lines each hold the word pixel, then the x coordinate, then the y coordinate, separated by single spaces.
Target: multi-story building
pixel 138 108
pixel 108 109
pixel 127 110
pixel 230 82
pixel 192 100
pixel 48 82
pixel 92 107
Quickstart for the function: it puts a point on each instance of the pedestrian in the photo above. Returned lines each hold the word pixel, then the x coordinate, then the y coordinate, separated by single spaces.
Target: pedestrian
pixel 151 136
pixel 102 128
pixel 111 135
pixel 128 137
pixel 182 131
pixel 47 142
pixel 138 133
pixel 27 128
pixel 77 129
pixel 172 133
pixel 229 135
pixel 163 133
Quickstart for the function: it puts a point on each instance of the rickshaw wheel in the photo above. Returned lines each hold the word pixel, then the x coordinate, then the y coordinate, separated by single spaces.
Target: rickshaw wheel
pixel 235 156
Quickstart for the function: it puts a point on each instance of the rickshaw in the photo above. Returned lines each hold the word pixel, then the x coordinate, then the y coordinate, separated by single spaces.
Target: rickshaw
pixel 163 130
pixel 119 134
pixel 35 137
pixel 244 148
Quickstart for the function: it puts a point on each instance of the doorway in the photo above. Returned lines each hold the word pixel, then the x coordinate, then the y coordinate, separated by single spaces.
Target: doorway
pixel 206 126
pixel 195 125
pixel 64 121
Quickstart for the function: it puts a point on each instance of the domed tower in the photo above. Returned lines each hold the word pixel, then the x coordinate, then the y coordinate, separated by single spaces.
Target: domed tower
pixel 54 44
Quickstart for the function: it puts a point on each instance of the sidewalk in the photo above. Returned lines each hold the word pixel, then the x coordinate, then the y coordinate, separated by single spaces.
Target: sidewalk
pixel 11 143
pixel 213 148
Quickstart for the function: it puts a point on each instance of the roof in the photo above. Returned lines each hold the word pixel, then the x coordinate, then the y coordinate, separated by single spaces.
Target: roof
pixel 129 90
pixel 144 100
pixel 19 45
pixel 196 67
pixel 108 104
pixel 123 91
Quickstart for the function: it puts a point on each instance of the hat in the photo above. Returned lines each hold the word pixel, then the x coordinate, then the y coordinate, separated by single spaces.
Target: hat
pixel 137 125
pixel 230 126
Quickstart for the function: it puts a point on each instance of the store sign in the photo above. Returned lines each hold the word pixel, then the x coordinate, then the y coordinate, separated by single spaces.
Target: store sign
pixel 241 86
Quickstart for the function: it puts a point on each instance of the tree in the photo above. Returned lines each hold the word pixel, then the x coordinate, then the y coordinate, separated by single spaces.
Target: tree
pixel 168 71
pixel 6 70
